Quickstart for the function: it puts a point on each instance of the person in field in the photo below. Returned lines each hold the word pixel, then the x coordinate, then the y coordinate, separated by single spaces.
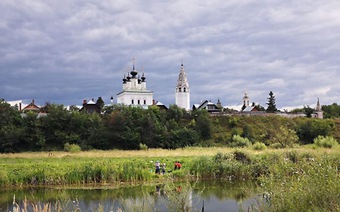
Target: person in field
pixel 157 164
pixel 178 165
pixel 163 168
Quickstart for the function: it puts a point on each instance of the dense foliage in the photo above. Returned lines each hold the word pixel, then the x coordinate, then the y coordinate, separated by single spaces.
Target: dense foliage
pixel 332 110
pixel 124 127
pixel 119 127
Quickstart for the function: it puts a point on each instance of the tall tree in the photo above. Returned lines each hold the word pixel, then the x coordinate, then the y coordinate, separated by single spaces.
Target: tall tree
pixel 308 111
pixel 271 103
pixel 100 102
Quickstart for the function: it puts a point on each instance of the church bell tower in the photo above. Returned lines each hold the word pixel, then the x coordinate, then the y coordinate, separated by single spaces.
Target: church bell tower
pixel 183 90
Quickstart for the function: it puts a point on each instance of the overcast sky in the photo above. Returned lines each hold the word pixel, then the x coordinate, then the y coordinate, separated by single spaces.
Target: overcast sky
pixel 68 50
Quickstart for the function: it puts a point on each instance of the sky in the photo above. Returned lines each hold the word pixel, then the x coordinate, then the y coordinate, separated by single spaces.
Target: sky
pixel 66 51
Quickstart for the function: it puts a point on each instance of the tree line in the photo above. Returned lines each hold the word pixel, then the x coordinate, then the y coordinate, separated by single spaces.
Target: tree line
pixel 126 127
pixel 119 127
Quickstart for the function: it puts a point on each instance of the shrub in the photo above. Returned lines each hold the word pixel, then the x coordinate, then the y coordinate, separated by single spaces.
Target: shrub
pixel 238 141
pixel 242 157
pixel 143 146
pixel 72 148
pixel 259 146
pixel 326 142
pixel 293 156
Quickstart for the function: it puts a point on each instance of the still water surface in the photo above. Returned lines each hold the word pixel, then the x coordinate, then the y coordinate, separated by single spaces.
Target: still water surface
pixel 207 195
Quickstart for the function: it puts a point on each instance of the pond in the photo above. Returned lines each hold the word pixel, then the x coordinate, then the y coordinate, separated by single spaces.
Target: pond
pixel 198 196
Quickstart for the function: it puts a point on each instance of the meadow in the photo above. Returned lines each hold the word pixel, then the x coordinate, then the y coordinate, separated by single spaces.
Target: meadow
pixel 289 179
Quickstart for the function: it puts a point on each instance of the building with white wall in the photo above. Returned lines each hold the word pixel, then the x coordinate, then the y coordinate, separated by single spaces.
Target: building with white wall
pixel 183 90
pixel 134 90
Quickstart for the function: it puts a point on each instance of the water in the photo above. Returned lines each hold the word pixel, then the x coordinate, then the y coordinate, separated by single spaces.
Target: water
pixel 210 196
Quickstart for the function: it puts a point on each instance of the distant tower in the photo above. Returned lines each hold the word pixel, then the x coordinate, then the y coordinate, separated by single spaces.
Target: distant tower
pixel 246 100
pixel 183 90
pixel 219 104
pixel 318 112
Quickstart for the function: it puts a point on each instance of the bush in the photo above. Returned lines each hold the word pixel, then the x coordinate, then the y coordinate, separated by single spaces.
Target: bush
pixel 259 146
pixel 242 157
pixel 293 156
pixel 143 146
pixel 326 142
pixel 72 148
pixel 238 141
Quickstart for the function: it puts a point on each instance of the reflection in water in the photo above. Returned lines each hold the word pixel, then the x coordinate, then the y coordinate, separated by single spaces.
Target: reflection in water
pixel 210 196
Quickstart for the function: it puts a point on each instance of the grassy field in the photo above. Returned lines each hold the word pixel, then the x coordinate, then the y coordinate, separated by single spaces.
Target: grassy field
pixel 152 153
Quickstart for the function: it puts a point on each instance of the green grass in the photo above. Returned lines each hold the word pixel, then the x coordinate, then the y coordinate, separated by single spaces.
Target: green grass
pixel 97 167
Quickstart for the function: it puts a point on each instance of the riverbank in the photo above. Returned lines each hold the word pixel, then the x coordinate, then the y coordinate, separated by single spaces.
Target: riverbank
pixel 117 166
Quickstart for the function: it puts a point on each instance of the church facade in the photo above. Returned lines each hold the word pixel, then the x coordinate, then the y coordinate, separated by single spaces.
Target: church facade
pixel 134 90
pixel 182 90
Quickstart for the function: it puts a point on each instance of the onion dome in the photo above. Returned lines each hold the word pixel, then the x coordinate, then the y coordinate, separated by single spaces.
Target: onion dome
pixel 133 72
pixel 124 79
pixel 143 78
pixel 128 77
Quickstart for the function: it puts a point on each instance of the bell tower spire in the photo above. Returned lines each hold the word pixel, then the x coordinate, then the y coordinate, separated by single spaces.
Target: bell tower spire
pixel 183 90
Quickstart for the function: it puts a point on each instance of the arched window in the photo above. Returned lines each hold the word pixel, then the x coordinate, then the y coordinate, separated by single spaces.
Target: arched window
pixel 180 89
pixel 138 101
pixel 132 102
pixel 184 90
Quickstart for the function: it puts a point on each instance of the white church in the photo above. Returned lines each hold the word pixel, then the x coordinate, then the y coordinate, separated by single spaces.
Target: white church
pixel 135 92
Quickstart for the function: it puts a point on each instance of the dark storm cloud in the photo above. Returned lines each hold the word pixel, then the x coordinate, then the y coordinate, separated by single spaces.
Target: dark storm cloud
pixel 66 51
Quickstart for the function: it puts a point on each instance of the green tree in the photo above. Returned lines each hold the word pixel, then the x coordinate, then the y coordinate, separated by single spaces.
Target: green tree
pixel 285 137
pixel 271 103
pixel 260 107
pixel 100 102
pixel 175 112
pixel 57 128
pixel 203 123
pixel 309 129
pixel 8 114
pixel 308 111
pixel 11 131
pixel 73 108
pixel 33 136
pixel 331 111
pixel 183 137
pixel 124 127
